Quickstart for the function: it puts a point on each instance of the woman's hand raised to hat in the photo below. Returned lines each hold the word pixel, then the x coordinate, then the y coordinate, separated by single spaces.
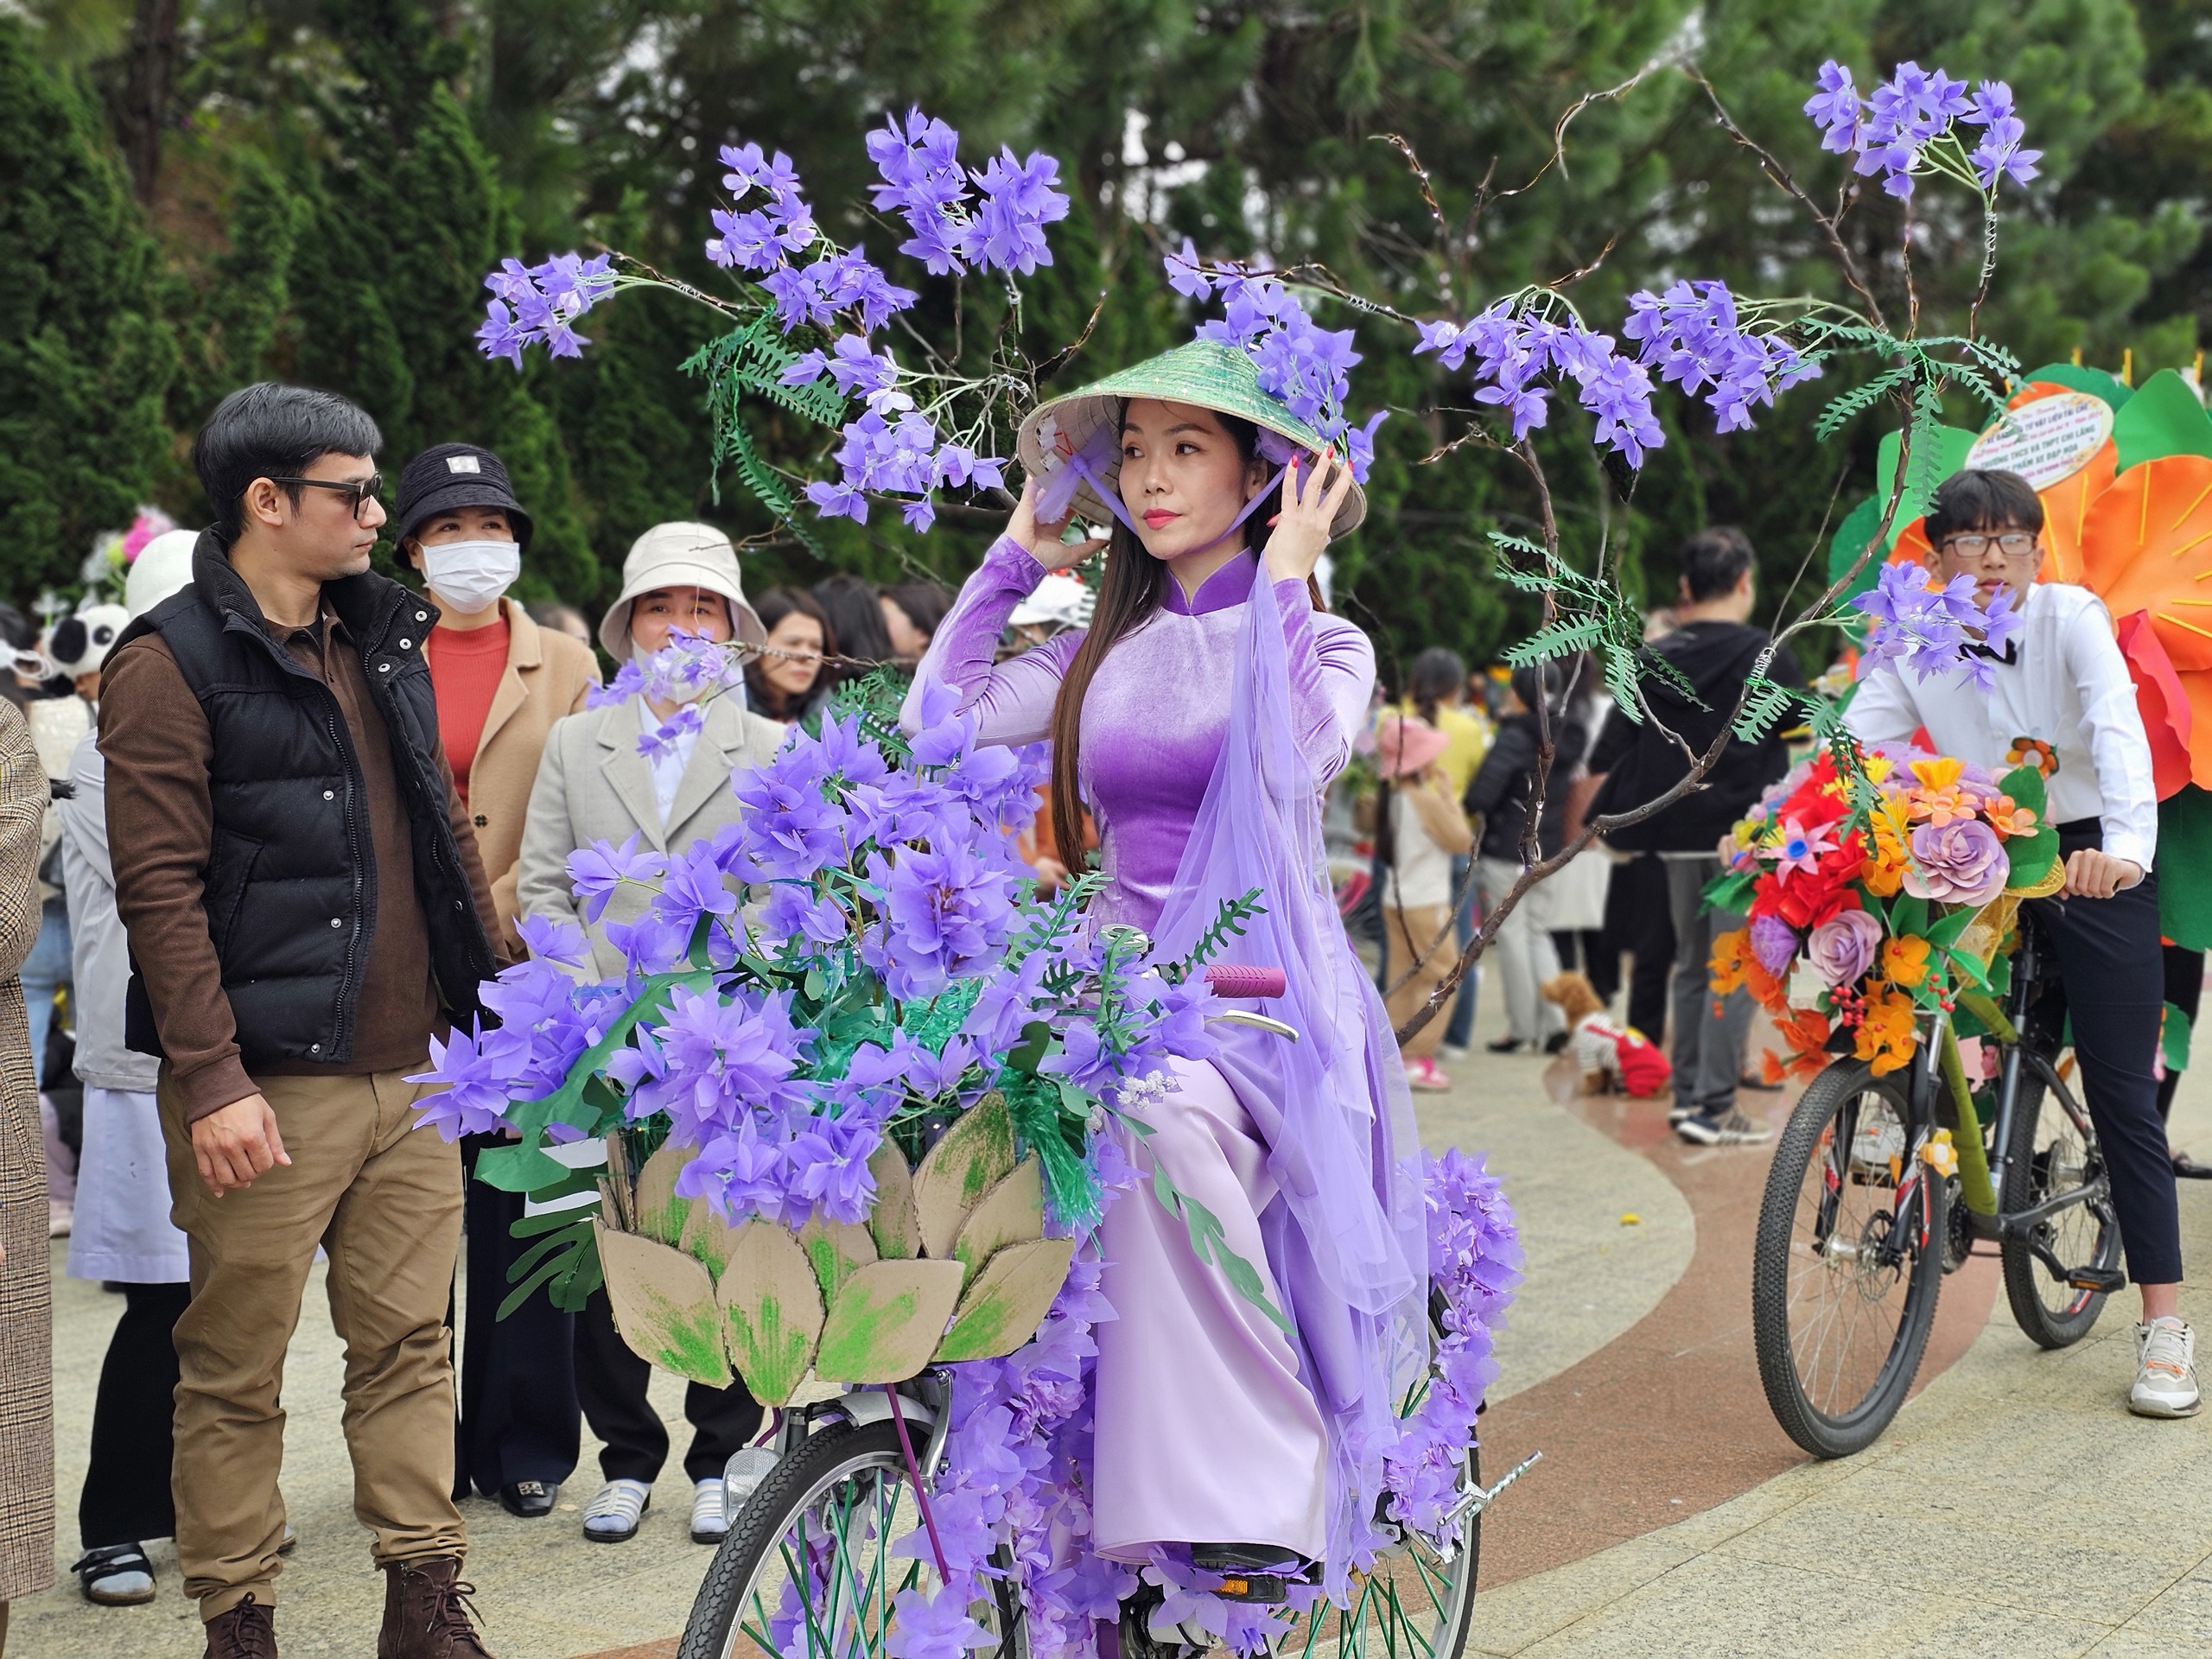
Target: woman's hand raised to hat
pixel 1311 499
pixel 1042 541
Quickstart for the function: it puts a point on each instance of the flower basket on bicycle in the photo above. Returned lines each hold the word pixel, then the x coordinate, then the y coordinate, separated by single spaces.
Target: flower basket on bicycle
pixel 1886 937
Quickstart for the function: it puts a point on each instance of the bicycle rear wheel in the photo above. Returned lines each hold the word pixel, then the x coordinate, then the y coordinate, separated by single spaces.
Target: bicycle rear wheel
pixel 1848 1260
pixel 2054 1151
pixel 806 1570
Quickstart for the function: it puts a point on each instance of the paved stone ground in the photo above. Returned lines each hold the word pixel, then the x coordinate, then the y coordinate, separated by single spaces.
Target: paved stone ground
pixel 2014 1507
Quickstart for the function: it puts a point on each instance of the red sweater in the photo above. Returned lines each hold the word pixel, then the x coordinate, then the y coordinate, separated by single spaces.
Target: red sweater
pixel 465 667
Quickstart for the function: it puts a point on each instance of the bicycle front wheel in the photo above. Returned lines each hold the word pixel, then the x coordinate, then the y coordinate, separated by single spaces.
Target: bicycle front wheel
pixel 1848 1261
pixel 2054 1152
pixel 806 1570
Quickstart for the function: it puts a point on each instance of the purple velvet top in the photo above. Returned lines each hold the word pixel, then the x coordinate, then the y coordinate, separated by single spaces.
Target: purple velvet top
pixel 1157 707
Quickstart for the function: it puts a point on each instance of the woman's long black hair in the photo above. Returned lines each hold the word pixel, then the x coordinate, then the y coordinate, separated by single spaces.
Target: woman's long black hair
pixel 1128 593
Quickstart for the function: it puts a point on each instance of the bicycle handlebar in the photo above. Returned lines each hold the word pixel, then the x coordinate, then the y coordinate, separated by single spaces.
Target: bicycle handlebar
pixel 1243 979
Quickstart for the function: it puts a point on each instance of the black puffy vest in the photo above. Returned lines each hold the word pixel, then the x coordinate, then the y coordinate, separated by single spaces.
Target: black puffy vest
pixel 291 848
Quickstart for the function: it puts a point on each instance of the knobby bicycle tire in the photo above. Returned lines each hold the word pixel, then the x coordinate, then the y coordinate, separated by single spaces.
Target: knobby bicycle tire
pixel 2024 1187
pixel 797 1485
pixel 1822 1433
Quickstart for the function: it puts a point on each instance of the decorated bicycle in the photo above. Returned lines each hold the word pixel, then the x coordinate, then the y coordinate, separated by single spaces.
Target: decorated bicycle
pixel 1086 1248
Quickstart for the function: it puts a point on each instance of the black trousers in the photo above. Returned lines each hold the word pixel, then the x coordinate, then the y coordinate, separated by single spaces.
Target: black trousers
pixel 2185 991
pixel 127 1498
pixel 611 1380
pixel 519 1416
pixel 2112 973
pixel 1639 918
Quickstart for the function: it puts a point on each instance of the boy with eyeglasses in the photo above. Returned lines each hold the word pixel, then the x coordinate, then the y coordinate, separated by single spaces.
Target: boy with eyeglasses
pixel 2062 699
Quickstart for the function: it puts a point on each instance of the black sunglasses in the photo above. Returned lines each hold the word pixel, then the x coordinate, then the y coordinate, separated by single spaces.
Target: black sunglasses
pixel 361 490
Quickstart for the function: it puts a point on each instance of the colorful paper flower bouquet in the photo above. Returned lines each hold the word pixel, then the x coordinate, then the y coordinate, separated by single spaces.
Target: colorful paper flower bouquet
pixel 1879 890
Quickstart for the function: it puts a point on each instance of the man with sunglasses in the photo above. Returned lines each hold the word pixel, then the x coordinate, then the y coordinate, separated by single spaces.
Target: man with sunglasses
pixel 2062 699
pixel 305 906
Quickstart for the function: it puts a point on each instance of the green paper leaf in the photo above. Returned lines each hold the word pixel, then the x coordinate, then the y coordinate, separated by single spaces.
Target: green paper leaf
pixel 2163 418
pixel 2025 786
pixel 1944 931
pixel 522 1169
pixel 1908 917
pixel 2095 382
pixel 2185 868
pixel 2030 857
pixel 2173 1038
pixel 1730 891
pixel 1851 537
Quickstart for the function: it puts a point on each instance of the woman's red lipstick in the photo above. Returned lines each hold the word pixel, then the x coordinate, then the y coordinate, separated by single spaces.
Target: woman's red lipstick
pixel 1160 516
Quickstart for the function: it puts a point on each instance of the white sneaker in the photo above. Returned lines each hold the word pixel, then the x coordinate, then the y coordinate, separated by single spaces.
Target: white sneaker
pixel 1452 1051
pixel 2165 1370
pixel 612 1516
pixel 709 1522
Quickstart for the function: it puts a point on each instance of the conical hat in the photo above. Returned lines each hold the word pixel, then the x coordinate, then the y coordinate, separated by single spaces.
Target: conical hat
pixel 1209 373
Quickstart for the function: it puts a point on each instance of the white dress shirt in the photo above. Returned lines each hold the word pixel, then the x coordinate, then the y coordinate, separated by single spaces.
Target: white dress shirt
pixel 2067 686
pixel 671 764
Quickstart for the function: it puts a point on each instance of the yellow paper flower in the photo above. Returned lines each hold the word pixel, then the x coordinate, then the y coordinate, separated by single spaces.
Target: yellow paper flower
pixel 1940 1156
pixel 1938 774
pixel 1877 767
pixel 1905 961
pixel 1731 955
pixel 1886 1037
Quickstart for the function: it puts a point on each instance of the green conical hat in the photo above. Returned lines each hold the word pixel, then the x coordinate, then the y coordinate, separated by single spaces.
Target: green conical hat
pixel 1206 373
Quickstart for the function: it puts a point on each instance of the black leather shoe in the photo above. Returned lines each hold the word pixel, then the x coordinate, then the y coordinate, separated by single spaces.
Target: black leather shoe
pixel 530 1499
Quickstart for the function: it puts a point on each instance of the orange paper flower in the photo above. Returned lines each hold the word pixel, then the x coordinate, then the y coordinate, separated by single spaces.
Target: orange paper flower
pixel 1886 1037
pixel 1806 1032
pixel 1731 955
pixel 2008 819
pixel 1905 961
pixel 1769 991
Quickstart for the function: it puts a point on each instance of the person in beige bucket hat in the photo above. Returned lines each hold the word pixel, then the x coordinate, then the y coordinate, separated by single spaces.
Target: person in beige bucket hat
pixel 668 559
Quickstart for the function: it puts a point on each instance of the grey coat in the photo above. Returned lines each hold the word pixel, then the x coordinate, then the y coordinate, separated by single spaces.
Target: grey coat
pixel 594 786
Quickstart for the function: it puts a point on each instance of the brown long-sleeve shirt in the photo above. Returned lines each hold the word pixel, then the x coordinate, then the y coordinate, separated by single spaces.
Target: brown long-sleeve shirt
pixel 161 824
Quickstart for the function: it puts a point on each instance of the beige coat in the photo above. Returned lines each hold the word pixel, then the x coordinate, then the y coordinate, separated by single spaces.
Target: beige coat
pixel 594 786
pixel 26 1324
pixel 547 676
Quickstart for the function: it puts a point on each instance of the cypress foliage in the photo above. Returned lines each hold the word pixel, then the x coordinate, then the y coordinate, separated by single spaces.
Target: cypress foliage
pixel 84 356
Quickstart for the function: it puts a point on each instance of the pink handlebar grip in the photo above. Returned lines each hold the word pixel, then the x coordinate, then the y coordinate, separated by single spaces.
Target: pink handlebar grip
pixel 1240 979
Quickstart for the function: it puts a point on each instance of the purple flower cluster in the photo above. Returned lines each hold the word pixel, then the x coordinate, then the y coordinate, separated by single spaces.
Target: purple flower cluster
pixel 539 305
pixel 1692 336
pixel 767 241
pixel 1307 366
pixel 1474 1260
pixel 1515 349
pixel 898 451
pixel 923 181
pixel 1924 627
pixel 1891 130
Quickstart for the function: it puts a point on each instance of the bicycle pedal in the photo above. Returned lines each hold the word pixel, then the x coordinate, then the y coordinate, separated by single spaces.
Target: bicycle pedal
pixel 2107 1281
pixel 1266 1588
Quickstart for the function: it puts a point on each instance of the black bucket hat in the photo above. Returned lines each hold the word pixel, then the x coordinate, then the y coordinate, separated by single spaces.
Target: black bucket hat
pixel 449 475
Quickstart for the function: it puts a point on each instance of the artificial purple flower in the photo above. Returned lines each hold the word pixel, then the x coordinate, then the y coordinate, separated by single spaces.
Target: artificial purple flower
pixel 827 1165
pixel 792 912
pixel 473 1102
pixel 1186 277
pixel 552 941
pixel 934 1628
pixel 539 304
pixel 741 1175
pixel 1963 862
pixel 1020 198
pixel 596 871
pixel 1842 948
pixel 1774 942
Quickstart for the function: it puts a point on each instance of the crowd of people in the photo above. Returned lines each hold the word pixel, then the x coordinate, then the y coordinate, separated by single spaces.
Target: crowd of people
pixel 363 788
pixel 271 822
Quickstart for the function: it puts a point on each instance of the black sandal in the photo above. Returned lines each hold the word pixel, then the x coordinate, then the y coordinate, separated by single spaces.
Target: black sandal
pixel 97 1571
pixel 2188 1169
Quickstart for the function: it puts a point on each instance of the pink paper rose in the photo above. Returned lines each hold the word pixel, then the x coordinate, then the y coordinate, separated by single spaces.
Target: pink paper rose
pixel 1842 948
pixel 1961 863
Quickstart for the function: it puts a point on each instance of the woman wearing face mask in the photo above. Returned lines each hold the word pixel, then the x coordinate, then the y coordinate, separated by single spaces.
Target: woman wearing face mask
pixel 501 679
pixel 501 682
pixel 1199 715
pixel 595 786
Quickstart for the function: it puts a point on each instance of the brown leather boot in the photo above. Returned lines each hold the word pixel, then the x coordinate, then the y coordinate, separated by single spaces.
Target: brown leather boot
pixel 246 1631
pixel 427 1612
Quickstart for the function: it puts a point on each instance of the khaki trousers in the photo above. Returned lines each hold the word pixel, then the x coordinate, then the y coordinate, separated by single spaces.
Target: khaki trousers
pixel 383 1199
pixel 1418 937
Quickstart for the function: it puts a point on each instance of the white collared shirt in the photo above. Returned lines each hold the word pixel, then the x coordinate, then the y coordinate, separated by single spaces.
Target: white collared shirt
pixel 671 764
pixel 2067 687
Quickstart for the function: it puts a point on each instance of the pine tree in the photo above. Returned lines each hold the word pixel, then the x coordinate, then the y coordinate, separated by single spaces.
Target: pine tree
pixel 84 359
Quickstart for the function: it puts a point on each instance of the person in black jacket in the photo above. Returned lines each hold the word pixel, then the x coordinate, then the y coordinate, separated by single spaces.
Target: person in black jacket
pixel 1500 795
pixel 1716 649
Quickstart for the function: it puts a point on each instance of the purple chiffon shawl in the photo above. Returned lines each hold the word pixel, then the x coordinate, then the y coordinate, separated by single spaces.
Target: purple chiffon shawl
pixel 1345 1241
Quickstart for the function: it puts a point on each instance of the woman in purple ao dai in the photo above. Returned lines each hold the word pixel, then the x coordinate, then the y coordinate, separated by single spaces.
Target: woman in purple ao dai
pixel 1209 675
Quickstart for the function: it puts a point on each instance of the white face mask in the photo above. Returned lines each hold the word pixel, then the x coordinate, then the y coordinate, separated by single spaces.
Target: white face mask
pixel 469 576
